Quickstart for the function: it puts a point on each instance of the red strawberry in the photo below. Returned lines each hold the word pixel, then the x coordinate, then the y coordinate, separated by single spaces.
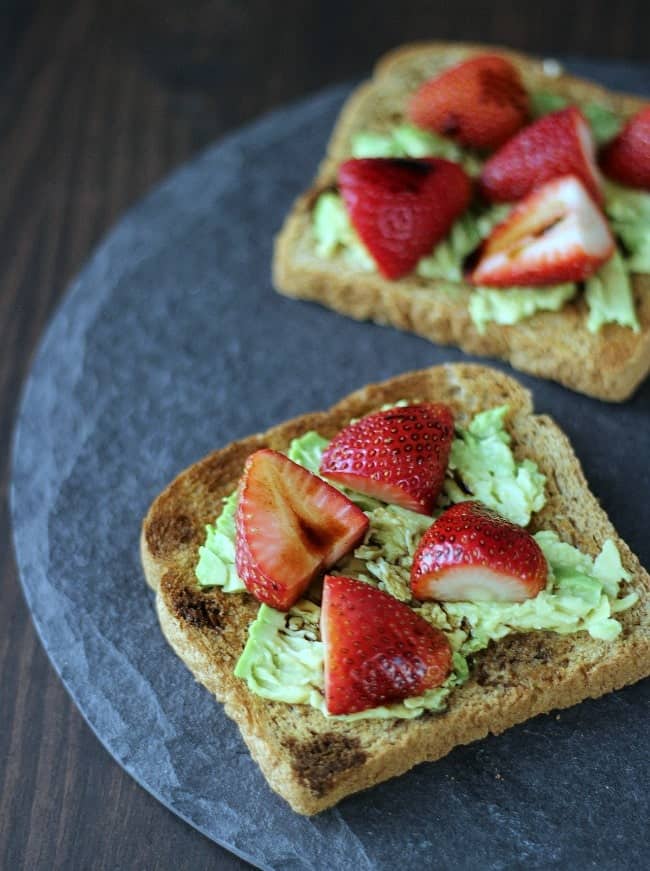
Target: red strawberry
pixel 557 144
pixel 480 102
pixel 377 650
pixel 627 158
pixel 290 525
pixel 556 234
pixel 401 207
pixel 473 554
pixel 399 455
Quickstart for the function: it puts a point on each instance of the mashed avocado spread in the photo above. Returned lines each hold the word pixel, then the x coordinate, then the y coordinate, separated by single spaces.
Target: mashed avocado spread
pixel 283 658
pixel 628 210
pixel 608 294
pixel 405 140
pixel 492 305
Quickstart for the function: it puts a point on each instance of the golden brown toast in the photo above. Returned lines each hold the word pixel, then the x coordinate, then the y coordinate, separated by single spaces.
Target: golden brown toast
pixel 313 761
pixel 557 345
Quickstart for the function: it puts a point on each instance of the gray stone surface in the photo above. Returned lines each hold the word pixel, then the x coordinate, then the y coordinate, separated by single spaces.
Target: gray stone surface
pixel 172 343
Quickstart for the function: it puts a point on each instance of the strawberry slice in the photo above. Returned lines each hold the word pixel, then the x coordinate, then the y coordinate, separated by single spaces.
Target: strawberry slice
pixel 399 455
pixel 627 158
pixel 401 207
pixel 557 144
pixel 473 554
pixel 289 526
pixel 556 234
pixel 480 102
pixel 377 650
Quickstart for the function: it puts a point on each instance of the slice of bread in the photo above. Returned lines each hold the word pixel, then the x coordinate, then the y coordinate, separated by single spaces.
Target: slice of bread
pixel 313 761
pixel 556 345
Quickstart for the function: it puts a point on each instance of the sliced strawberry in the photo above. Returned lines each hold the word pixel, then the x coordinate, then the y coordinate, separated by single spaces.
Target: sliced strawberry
pixel 473 554
pixel 556 234
pixel 480 102
pixel 377 650
pixel 401 207
pixel 290 525
pixel 627 158
pixel 557 144
pixel 399 455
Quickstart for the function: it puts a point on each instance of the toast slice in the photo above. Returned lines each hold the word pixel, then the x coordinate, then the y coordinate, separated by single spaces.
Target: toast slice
pixel 313 761
pixel 556 345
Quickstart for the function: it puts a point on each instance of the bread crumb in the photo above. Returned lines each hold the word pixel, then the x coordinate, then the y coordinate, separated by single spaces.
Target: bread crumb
pixel 552 67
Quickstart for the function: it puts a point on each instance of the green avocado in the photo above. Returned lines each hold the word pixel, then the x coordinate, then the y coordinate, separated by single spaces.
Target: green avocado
pixel 513 304
pixel 307 450
pixel 216 565
pixel 608 294
pixel 483 467
pixel 628 210
pixel 405 140
pixel 283 657
pixel 333 233
pixel 446 261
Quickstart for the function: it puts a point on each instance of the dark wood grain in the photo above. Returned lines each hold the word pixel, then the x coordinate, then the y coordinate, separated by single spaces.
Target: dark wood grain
pixel 97 102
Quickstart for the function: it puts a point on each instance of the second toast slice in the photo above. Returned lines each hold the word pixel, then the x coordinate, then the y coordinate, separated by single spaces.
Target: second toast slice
pixel 608 364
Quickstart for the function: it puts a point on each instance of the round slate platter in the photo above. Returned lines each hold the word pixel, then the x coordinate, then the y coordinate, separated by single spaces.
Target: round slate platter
pixel 172 343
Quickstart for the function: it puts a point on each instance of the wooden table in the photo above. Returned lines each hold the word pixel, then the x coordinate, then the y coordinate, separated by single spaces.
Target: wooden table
pixel 97 102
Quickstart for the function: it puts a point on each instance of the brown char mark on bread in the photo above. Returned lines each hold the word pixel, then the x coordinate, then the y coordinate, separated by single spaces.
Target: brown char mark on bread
pixel 196 608
pixel 501 664
pixel 317 761
pixel 168 531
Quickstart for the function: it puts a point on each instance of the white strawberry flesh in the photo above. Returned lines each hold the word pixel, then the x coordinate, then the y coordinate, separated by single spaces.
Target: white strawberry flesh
pixel 477 584
pixel 588 149
pixel 471 553
pixel 556 234
pixel 290 525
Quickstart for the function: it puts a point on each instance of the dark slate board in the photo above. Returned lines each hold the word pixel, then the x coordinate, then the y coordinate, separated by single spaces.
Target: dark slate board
pixel 172 343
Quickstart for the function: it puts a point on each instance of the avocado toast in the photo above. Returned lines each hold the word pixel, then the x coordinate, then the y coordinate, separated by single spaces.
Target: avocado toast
pixel 590 333
pixel 313 759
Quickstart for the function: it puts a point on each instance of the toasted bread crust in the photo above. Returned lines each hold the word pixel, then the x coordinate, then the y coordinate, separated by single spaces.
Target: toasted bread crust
pixel 555 345
pixel 313 761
